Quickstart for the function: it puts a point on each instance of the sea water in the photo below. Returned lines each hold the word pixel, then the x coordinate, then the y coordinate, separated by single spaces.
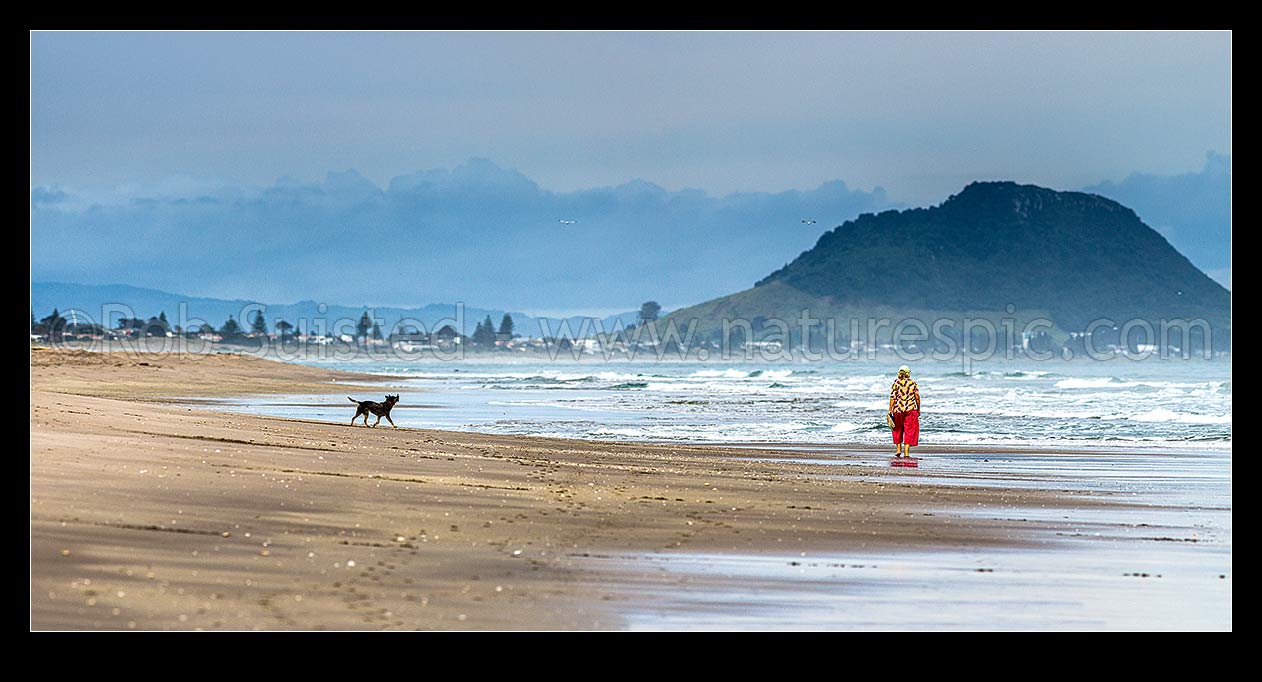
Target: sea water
pixel 1144 404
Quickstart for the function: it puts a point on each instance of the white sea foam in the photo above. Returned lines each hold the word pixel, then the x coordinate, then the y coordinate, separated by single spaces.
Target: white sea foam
pixel 1095 382
pixel 723 373
pixel 862 404
pixel 1161 414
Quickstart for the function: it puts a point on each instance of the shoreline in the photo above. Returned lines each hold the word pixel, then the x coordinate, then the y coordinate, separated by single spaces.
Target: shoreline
pixel 151 515
pixel 350 354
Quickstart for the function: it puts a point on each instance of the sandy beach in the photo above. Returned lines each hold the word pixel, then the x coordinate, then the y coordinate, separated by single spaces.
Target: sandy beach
pixel 149 513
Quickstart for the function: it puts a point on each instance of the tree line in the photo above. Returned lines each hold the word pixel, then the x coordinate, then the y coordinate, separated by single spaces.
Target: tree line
pixel 486 334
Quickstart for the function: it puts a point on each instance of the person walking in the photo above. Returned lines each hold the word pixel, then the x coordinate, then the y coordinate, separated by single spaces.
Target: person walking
pixel 905 412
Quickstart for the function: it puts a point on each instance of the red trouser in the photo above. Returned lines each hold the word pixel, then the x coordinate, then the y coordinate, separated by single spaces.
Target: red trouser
pixel 907 427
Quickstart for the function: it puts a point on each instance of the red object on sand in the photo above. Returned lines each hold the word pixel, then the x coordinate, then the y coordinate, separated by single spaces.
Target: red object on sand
pixel 905 462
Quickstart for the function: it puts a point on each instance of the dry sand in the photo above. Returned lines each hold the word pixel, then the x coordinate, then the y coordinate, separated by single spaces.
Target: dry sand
pixel 147 514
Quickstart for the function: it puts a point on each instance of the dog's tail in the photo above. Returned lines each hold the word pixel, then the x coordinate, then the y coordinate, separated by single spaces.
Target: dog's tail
pixel 352 400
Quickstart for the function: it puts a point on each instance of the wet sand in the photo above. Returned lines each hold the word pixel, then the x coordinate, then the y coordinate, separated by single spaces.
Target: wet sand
pixel 148 514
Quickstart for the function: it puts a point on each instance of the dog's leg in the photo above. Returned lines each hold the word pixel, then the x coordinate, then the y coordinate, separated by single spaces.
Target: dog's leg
pixel 391 421
pixel 354 418
pixel 374 424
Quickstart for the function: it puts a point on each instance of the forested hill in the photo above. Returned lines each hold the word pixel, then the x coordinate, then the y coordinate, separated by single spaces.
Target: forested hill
pixel 1078 256
pixel 994 247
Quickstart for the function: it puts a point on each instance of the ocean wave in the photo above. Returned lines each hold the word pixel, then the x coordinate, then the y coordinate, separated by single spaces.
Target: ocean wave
pixel 1129 405
pixel 881 405
pixel 618 376
pixel 1029 374
pixel 851 427
pixel 724 374
pixel 1116 382
pixel 1095 382
pixel 557 378
pixel 1162 414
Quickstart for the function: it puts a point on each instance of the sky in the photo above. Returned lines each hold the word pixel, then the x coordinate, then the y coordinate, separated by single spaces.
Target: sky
pixel 911 116
pixel 917 113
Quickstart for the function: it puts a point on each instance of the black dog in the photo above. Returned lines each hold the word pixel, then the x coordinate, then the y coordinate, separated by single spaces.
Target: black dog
pixel 379 409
